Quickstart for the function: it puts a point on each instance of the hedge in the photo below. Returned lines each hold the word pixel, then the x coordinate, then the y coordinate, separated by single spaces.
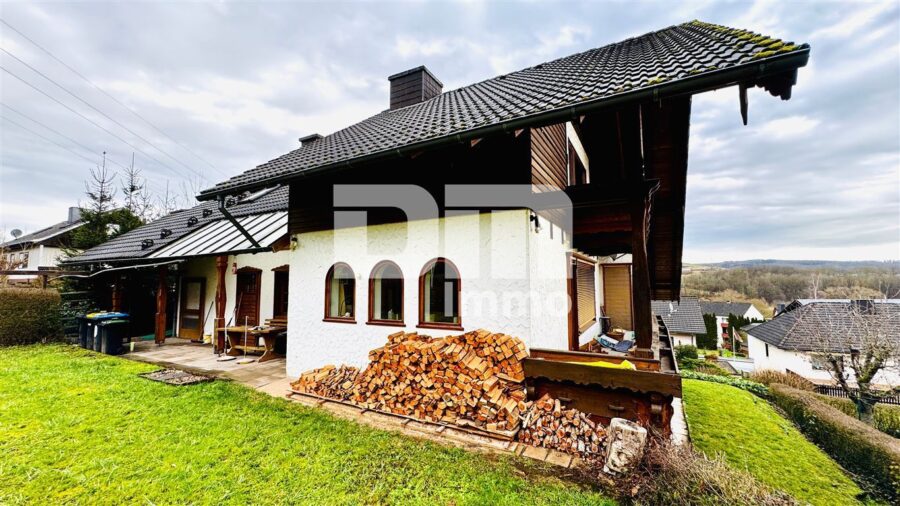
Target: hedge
pixel 874 457
pixel 753 387
pixel 29 315
pixel 887 416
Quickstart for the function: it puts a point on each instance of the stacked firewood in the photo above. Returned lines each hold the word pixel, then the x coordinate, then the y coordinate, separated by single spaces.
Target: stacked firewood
pixel 472 379
pixel 548 425
pixel 329 381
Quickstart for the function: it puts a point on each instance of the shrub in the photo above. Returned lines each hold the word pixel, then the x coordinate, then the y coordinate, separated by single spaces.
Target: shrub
pixel 887 416
pixel 685 351
pixel 872 456
pixel 28 315
pixel 768 376
pixel 679 476
pixel 699 365
pixel 750 386
pixel 713 356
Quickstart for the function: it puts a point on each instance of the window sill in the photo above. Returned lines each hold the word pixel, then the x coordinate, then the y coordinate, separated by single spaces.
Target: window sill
pixel 339 320
pixel 387 323
pixel 439 326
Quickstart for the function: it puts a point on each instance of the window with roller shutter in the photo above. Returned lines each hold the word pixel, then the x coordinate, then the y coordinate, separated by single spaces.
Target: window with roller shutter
pixel 585 293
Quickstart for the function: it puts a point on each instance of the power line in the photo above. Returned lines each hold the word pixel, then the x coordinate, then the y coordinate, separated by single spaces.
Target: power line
pixel 132 132
pixel 82 146
pixel 5 118
pixel 114 99
pixel 42 92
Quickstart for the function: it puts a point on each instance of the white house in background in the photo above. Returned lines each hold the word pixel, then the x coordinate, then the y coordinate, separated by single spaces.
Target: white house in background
pixel 721 310
pixel 683 319
pixel 794 340
pixel 40 249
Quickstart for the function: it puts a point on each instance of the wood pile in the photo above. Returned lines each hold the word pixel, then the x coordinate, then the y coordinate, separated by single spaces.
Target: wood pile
pixel 329 381
pixel 473 379
pixel 546 424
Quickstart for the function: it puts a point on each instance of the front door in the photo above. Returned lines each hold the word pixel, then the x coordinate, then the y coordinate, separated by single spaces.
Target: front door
pixel 192 297
pixel 248 281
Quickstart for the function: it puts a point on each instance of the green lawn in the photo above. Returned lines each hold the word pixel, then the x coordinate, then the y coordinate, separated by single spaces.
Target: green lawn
pixel 76 427
pixel 751 435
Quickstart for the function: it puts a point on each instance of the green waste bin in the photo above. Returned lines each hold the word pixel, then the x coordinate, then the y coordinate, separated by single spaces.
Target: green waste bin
pixel 112 336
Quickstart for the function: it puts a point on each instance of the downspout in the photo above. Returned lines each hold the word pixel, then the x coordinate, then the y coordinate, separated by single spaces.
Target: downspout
pixel 234 222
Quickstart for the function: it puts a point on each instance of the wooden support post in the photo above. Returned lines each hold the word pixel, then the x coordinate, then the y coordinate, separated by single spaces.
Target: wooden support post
pixel 162 289
pixel 116 298
pixel 631 155
pixel 640 273
pixel 221 298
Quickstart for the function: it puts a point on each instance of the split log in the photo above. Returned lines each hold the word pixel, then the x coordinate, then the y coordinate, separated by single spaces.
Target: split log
pixel 546 424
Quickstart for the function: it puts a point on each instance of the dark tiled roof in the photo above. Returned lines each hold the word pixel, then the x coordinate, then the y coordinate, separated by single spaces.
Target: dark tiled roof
pixel 127 247
pixel 724 308
pixel 827 326
pixel 42 234
pixel 680 316
pixel 677 53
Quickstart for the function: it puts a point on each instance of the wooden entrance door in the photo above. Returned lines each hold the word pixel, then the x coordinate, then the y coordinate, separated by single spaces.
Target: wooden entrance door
pixel 193 293
pixel 248 288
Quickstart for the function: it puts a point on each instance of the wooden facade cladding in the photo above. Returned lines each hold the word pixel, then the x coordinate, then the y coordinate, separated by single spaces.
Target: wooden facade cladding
pixel 549 156
pixel 500 159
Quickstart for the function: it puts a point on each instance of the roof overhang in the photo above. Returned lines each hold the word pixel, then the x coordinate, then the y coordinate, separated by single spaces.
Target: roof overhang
pixel 777 74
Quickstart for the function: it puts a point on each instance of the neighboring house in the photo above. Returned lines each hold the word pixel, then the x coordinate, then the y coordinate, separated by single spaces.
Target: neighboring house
pixel 683 319
pixel 721 310
pixel 794 340
pixel 42 249
pixel 193 249
pixel 492 205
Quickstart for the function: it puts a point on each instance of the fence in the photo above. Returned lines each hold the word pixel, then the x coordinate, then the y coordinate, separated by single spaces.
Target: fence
pixel 835 391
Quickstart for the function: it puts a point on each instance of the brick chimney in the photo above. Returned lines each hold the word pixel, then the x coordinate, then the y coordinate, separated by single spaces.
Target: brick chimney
pixel 413 86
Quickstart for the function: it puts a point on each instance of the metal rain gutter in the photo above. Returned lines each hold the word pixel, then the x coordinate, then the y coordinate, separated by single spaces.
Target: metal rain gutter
pixel 125 268
pixel 235 222
pixel 691 85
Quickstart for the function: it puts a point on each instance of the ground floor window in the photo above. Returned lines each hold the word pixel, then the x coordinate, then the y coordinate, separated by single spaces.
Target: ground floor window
pixel 439 293
pixel 280 304
pixel 386 294
pixel 340 292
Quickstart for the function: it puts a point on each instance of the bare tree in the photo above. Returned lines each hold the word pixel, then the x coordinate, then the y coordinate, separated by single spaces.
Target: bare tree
pixel 168 202
pixel 137 198
pixel 814 285
pixel 860 344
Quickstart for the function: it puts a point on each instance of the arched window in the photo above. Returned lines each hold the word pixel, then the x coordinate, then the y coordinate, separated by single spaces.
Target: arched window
pixel 439 289
pixel 386 294
pixel 340 294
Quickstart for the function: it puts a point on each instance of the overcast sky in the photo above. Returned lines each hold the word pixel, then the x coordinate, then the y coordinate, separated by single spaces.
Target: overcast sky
pixel 224 87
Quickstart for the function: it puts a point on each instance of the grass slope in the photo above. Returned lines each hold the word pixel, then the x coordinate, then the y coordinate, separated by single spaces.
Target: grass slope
pixel 748 432
pixel 76 427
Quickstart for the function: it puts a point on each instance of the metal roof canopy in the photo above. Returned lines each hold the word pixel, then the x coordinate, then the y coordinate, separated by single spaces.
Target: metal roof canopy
pixel 220 237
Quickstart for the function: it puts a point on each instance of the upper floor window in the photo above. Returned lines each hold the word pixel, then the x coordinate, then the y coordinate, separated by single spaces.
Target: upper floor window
pixel 439 294
pixel 340 293
pixel 386 294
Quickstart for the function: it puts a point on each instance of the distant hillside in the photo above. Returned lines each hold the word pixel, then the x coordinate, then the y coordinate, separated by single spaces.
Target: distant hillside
pixel 768 282
pixel 807 264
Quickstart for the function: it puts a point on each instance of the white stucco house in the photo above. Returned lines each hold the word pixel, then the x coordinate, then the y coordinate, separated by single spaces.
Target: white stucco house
pixel 722 309
pixel 794 341
pixel 41 249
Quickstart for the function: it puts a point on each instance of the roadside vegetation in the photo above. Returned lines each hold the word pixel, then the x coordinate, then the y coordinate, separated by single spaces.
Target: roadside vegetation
pixel 84 428
pixel 750 435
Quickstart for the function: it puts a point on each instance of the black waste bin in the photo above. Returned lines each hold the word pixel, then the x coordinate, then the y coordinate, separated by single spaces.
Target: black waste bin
pixel 93 340
pixel 112 335
pixel 83 328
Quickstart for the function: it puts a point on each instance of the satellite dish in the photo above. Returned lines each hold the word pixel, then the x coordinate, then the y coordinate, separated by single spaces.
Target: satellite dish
pixel 16 233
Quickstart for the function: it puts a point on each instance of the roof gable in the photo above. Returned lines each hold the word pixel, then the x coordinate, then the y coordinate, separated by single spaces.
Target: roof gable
pixel 665 59
pixel 680 316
